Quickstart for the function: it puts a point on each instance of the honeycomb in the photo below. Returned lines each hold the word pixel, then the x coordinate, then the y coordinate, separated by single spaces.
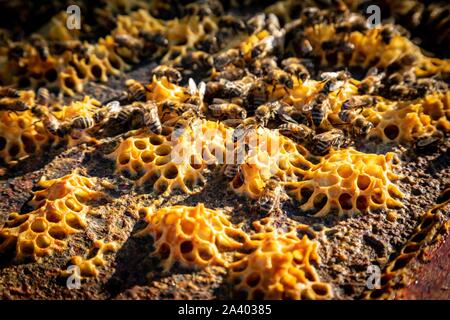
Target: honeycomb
pixel 271 155
pixel 59 211
pixel 20 133
pixel 281 73
pixel 406 121
pixel 167 162
pixel 95 258
pixel 193 237
pixel 281 267
pixel 23 134
pixel 367 49
pixel 346 182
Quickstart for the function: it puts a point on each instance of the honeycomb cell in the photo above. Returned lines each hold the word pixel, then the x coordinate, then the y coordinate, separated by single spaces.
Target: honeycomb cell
pixel 46 228
pixel 194 237
pixel 280 267
pixel 353 182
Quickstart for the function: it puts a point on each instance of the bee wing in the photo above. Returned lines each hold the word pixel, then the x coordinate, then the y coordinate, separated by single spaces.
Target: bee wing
pixel 307 107
pixel 239 132
pixel 192 87
pixel 328 75
pixel 113 106
pixel 285 117
pixel 201 90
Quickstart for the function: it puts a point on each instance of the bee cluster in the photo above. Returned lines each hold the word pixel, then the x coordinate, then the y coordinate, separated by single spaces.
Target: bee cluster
pixel 310 76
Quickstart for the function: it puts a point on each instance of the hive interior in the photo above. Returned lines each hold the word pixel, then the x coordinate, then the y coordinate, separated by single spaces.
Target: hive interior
pixel 194 150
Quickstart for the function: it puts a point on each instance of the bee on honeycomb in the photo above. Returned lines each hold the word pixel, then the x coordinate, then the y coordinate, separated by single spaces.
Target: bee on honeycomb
pixel 272 154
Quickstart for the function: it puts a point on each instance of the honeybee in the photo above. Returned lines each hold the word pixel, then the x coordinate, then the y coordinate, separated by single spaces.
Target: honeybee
pixel 230 73
pixel 319 108
pixel 82 122
pixel 257 94
pixel 226 58
pixel 43 96
pixel 323 142
pixel 223 109
pixel 154 37
pixel 334 80
pixel 357 102
pixel 41 46
pixel 338 46
pixel 269 200
pixel 231 22
pixel 256 23
pixel 269 110
pixel 196 93
pixel 17 51
pixel 234 169
pixel 39 111
pixel 428 140
pixel 122 98
pixel 204 8
pixel 387 33
pixel 197 61
pixel 128 41
pixel 272 44
pixel 402 91
pixel 151 117
pixel 371 83
pixel 423 86
pixel 295 131
pixel 295 68
pixel 14 106
pixel 74 46
pixel 231 170
pixel 360 125
pixel 208 43
pixel 132 115
pixel 184 121
pixel 225 89
pixel 402 64
pixel 177 107
pixel 172 74
pixel 9 92
pixel 402 77
pixel 354 22
pixel 136 90
pixel 279 77
pixel 261 67
pixel 111 109
pixel 348 114
pixel 54 127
